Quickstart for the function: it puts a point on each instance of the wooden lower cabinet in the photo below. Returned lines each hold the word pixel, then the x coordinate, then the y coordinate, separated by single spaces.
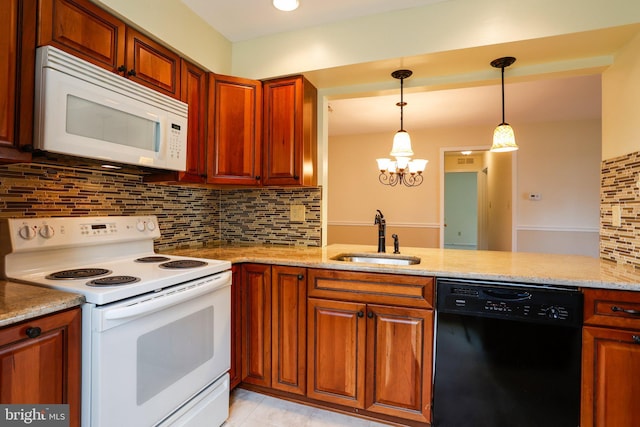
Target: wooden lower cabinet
pixel 40 362
pixel 371 357
pixel 235 370
pixel 274 327
pixel 610 359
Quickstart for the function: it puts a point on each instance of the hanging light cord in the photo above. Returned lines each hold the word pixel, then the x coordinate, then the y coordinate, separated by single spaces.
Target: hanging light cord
pixel 503 122
pixel 401 104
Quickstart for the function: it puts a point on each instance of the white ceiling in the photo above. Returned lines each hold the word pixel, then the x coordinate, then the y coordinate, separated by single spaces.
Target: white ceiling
pixel 529 98
pixel 240 20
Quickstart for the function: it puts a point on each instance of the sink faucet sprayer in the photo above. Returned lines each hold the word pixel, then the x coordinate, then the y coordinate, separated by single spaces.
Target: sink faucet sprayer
pixel 381 223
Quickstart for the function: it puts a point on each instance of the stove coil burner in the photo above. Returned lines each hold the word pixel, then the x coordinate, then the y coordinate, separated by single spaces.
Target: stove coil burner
pixel 152 259
pixel 183 263
pixel 113 281
pixel 78 273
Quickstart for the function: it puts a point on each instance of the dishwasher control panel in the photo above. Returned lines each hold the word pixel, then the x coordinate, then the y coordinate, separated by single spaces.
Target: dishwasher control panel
pixel 532 303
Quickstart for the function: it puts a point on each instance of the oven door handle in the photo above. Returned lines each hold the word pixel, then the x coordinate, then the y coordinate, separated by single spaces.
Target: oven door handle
pixel 155 303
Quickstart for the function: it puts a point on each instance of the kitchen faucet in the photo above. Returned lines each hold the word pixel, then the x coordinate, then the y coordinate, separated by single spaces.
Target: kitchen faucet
pixel 381 223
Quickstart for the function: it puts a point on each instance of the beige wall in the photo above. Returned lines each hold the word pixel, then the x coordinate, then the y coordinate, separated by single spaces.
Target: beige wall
pixel 559 160
pixel 621 103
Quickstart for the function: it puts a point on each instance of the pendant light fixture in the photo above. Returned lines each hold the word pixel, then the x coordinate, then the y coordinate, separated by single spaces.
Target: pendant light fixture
pixel 503 137
pixel 403 170
pixel 286 5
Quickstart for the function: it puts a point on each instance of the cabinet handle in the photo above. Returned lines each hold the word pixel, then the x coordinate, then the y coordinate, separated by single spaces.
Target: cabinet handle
pixel 360 314
pixel 258 178
pixel 370 315
pixel 615 308
pixel 122 69
pixel 296 177
pixel 33 332
pixel 131 72
pixel 636 339
pixel 300 276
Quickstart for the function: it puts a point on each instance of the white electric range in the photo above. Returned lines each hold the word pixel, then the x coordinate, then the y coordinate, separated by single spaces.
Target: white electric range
pixel 156 328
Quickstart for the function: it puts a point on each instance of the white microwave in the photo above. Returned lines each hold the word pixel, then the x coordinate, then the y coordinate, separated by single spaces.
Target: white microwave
pixel 86 111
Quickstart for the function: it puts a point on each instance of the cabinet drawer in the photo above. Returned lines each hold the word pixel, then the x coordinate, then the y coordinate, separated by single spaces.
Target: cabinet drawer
pixel 379 288
pixel 612 308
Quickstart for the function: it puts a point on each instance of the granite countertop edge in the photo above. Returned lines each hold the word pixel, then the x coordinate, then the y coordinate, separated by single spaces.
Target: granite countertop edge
pixel 20 302
pixel 535 268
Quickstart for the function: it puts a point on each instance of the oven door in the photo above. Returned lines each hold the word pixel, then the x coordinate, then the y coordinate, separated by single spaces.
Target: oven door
pixel 151 354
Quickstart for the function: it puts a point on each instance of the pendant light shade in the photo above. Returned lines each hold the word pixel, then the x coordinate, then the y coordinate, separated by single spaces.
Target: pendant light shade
pixel 401 145
pixel 503 136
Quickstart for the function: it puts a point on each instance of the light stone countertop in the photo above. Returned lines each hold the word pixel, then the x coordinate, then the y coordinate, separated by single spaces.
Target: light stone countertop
pixel 20 302
pixel 569 270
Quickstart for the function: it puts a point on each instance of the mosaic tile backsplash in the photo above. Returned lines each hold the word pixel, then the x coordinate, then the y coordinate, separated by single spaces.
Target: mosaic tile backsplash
pixel 188 216
pixel 619 187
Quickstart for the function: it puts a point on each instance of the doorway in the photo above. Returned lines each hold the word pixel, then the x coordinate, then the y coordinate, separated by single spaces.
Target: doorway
pixel 464 199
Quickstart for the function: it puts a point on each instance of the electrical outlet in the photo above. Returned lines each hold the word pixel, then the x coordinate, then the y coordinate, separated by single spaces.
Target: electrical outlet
pixel 297 213
pixel 616 216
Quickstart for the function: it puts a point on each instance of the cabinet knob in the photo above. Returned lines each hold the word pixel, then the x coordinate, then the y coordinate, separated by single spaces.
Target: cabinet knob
pixel 636 339
pixel 131 72
pixel 33 332
pixel 258 178
pixel 296 177
pixel 300 276
pixel 360 314
pixel 370 315
pixel 122 69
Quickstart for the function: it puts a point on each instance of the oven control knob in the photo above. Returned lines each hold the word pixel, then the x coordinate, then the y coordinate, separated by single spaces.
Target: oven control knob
pixel 26 232
pixel 47 231
pixel 552 313
pixel 151 226
pixel 140 226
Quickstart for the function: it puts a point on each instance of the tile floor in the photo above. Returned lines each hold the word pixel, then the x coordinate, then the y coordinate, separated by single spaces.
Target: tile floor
pixel 249 409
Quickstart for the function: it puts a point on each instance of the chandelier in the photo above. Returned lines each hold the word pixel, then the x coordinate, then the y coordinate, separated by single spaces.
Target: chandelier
pixel 504 138
pixel 402 170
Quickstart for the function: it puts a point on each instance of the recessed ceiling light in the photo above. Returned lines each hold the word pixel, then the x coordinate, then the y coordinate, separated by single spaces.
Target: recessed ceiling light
pixel 286 5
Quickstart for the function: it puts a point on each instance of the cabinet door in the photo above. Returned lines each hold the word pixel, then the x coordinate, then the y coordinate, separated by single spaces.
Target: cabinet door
pixel 399 361
pixel 194 93
pixel 46 368
pixel 288 332
pixel 336 352
pixel 610 372
pixel 17 56
pixel 152 64
pixel 289 132
pixel 256 318
pixel 84 30
pixel 235 371
pixel 233 146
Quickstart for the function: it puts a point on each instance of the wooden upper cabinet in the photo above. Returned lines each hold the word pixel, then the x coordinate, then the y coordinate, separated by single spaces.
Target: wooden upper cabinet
pixel 194 93
pixel 233 141
pixel 152 64
pixel 40 362
pixel 83 29
pixel 88 32
pixel 289 132
pixel 17 62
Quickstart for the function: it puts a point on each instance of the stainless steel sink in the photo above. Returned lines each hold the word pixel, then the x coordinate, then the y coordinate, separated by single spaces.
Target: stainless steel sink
pixel 377 258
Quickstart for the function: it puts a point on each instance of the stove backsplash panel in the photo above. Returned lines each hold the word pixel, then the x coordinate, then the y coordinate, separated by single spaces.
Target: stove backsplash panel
pixel 188 216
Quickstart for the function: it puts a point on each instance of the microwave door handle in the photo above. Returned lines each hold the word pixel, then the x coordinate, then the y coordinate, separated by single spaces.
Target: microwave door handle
pixel 154 304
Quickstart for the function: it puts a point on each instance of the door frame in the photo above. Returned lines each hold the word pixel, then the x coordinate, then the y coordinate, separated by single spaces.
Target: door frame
pixel 514 190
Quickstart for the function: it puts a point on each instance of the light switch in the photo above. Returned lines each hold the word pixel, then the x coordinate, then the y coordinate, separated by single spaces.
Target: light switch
pixel 297 213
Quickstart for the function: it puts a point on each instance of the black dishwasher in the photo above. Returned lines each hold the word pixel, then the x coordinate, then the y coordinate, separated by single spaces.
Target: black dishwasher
pixel 506 355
